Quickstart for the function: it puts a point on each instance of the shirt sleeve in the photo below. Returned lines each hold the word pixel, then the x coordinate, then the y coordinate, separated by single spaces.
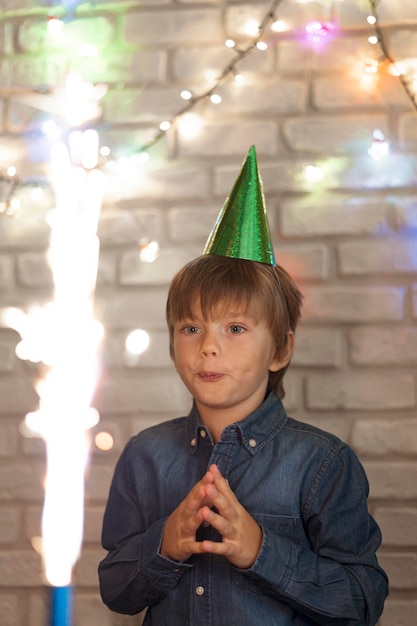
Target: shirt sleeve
pixel 134 574
pixel 334 577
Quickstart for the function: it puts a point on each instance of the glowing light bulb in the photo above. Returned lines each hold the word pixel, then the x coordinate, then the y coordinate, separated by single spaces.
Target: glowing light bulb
pixel 239 78
pixel 104 441
pixel 371 19
pixel 251 28
pixel 186 95
pixel 371 66
pixel 137 341
pixel 373 39
pixel 313 173
pixel 215 98
pixel 279 26
pixel 11 171
pixel 380 147
pixel 317 32
pixel 262 45
pixel 165 125
pixel 230 43
pixel 148 251
pixel 395 69
pixel 190 125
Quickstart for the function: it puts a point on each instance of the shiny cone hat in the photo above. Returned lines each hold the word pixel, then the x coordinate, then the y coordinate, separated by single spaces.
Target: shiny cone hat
pixel 241 230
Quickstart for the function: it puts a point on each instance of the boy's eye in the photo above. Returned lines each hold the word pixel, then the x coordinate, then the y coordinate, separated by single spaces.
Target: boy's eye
pixel 190 330
pixel 235 329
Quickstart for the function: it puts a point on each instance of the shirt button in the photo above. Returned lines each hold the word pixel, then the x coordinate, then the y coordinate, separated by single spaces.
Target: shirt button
pixel 252 443
pixel 199 590
pixel 205 524
pixel 193 442
pixel 203 433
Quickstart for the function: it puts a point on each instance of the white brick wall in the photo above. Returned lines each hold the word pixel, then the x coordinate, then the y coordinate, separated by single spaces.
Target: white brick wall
pixel 350 242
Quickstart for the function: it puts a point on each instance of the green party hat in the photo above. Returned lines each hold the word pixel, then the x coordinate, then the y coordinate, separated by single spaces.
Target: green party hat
pixel 241 230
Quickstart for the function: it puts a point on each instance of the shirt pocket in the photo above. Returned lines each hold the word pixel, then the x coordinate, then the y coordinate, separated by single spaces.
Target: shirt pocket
pixel 286 526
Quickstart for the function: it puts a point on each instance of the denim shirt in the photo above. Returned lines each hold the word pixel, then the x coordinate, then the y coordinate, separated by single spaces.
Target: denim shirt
pixel 305 488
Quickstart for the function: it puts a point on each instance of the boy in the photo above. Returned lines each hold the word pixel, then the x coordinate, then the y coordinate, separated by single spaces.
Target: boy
pixel 237 514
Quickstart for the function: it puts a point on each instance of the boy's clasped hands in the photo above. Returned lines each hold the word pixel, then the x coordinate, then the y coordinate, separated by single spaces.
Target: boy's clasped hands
pixel 241 534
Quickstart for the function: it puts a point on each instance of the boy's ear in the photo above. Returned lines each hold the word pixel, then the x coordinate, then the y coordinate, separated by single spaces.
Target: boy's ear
pixel 281 360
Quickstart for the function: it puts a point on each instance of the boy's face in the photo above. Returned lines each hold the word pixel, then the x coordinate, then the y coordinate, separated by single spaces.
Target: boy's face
pixel 224 361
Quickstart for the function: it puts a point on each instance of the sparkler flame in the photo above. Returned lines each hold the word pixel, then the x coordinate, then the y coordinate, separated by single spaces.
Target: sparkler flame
pixel 65 336
pixel 65 415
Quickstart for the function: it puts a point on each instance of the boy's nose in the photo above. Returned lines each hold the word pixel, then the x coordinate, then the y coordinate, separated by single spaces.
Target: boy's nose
pixel 209 345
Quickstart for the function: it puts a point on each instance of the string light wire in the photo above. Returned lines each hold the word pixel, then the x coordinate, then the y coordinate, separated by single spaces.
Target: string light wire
pixel 387 55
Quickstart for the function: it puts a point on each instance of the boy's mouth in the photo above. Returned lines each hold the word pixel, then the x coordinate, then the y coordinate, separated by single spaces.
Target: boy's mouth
pixel 210 376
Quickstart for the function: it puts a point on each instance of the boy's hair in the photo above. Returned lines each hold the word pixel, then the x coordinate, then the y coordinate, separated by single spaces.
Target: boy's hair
pixel 267 292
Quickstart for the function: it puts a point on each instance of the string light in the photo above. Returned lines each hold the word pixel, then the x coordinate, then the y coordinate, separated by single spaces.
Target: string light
pixel 254 30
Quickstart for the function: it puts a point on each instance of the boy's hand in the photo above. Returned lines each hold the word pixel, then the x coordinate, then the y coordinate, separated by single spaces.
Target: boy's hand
pixel 179 540
pixel 241 534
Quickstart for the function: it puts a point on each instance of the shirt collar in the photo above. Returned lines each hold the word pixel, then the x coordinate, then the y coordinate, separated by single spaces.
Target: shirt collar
pixel 256 430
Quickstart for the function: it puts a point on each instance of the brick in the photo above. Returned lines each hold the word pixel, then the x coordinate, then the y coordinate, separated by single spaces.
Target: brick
pixel 401 570
pixel 405 213
pixel 393 480
pixel 89 609
pixel 327 134
pixel 130 392
pixel 21 481
pixel 304 262
pixel 317 347
pixel 237 17
pixel 6 273
pixel 33 35
pixel 8 439
pixel 9 609
pixel 8 341
pixel 349 51
pixel 332 214
pixel 163 184
pixel 191 224
pixel 353 304
pixel 33 270
pixel 383 346
pixel 407 131
pixel 202 67
pixel 155 356
pixel 384 256
pixel 407 13
pixel 167 26
pixel 359 391
pixel 398 526
pixel 134 271
pixel 142 105
pixel 399 612
pixel 264 98
pixel 384 437
pixel 220 140
pixel 20 568
pixel 351 93
pixel 397 170
pixel 127 227
pixel 125 309
pixel 18 396
pixel 9 525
